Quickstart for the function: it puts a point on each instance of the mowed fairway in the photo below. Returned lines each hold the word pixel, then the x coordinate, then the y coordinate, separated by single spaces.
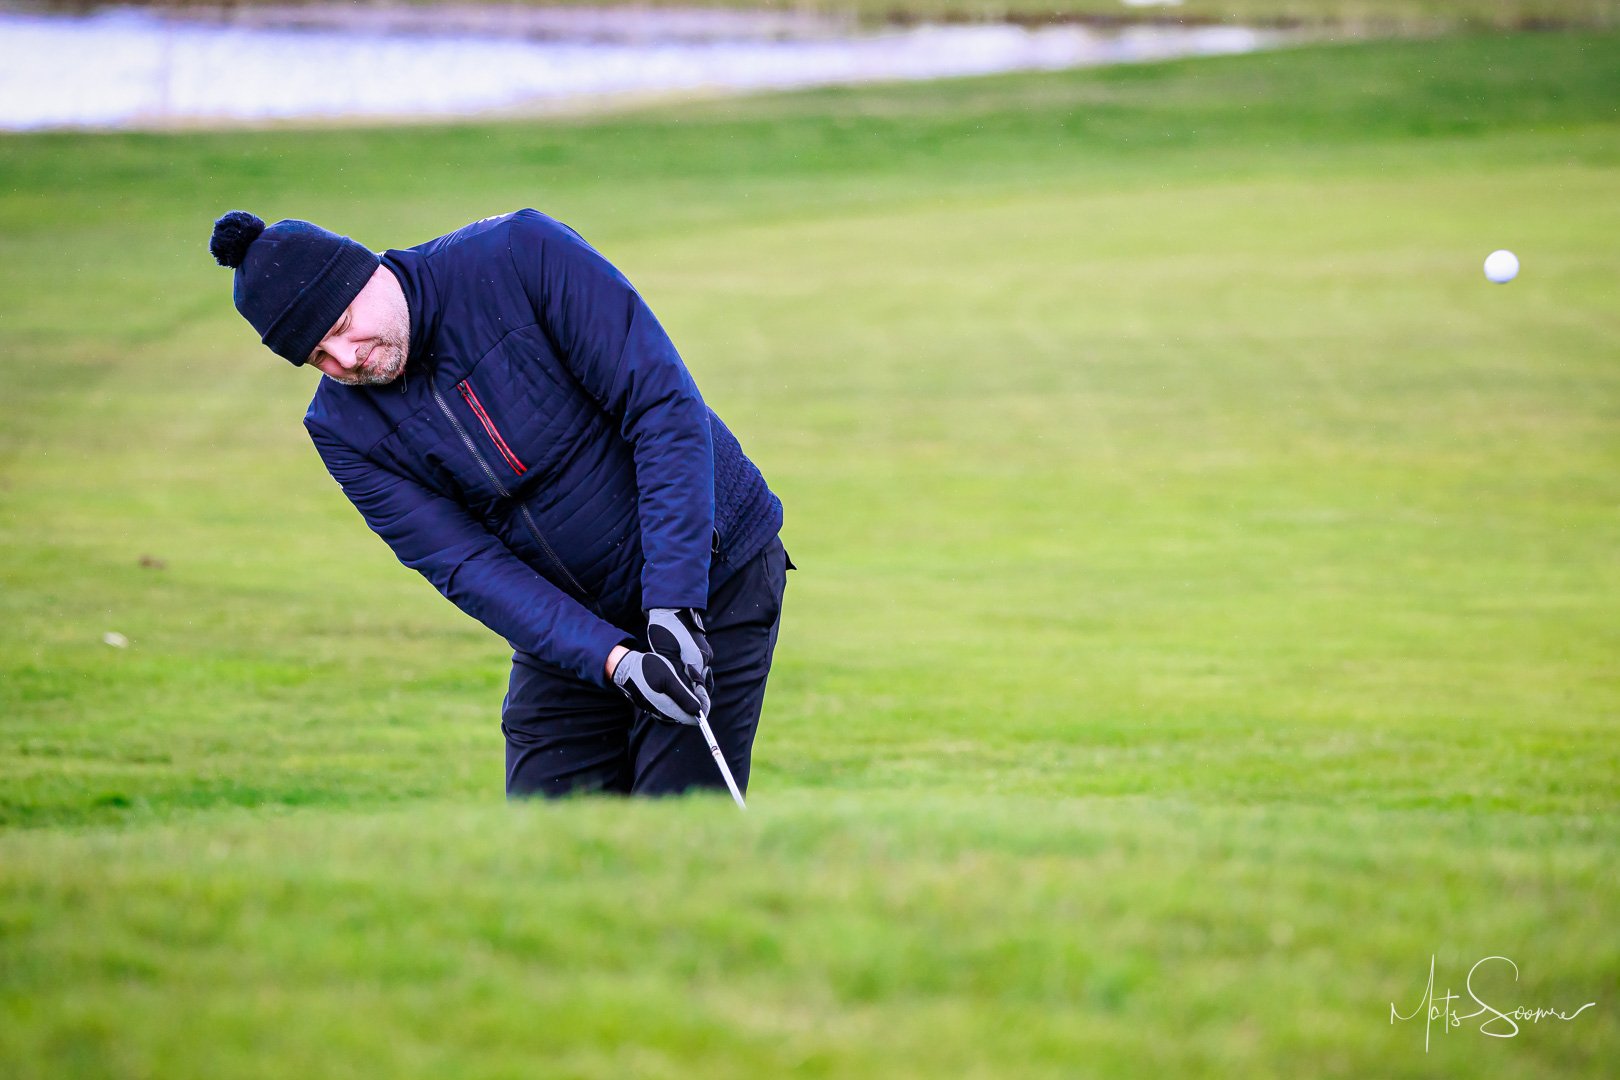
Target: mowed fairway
pixel 1209 604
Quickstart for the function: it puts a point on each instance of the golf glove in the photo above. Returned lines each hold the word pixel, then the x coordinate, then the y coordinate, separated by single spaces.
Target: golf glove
pixel 677 635
pixel 653 683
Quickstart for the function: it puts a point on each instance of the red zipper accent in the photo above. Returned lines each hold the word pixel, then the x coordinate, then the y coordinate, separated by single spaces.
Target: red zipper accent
pixel 489 426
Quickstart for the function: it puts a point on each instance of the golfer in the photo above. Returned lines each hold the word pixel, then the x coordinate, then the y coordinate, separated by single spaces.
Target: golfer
pixel 504 410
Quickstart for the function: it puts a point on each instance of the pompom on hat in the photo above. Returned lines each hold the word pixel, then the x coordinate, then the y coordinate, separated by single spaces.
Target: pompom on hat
pixel 293 278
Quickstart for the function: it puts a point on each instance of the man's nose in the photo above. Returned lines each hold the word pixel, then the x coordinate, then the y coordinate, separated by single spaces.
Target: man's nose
pixel 345 353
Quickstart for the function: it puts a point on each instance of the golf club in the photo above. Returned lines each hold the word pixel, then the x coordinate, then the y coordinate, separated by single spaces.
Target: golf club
pixel 720 759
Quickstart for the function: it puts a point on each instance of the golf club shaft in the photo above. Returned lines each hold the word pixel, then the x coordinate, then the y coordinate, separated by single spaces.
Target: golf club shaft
pixel 720 759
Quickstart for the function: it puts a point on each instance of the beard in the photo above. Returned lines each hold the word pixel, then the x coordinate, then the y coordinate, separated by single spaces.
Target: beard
pixel 381 366
pixel 383 362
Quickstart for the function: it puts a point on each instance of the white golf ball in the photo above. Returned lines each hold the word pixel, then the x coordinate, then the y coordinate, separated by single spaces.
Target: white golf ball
pixel 1501 266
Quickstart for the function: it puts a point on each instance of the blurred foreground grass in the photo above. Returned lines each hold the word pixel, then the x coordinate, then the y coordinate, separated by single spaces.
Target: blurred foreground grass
pixel 859 934
pixel 1207 609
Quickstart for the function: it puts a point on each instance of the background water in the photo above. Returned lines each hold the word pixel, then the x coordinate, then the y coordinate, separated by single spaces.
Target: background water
pixel 125 67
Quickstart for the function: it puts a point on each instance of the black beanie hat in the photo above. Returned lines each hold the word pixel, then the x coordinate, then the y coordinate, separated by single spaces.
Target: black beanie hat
pixel 293 279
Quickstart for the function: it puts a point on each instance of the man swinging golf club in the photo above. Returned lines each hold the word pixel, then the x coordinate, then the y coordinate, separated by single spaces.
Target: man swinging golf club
pixel 504 410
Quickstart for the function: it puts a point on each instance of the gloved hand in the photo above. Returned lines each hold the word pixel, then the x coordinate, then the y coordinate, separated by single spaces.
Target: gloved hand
pixel 653 683
pixel 677 635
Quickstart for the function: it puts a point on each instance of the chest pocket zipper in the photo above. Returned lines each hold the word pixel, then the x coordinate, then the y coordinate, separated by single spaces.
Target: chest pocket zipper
pixel 518 467
pixel 489 426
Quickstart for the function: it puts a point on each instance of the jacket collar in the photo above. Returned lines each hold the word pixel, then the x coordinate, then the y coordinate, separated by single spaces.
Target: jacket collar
pixel 416 281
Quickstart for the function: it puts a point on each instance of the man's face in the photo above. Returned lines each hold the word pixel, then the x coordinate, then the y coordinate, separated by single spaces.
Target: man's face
pixel 368 343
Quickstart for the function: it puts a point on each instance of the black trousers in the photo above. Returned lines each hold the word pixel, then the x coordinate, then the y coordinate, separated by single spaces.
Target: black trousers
pixel 564 735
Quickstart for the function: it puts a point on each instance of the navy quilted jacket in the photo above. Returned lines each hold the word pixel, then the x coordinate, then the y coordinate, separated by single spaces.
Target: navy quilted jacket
pixel 546 460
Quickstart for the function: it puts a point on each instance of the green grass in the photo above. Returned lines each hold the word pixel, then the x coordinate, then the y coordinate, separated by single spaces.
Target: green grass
pixel 1208 603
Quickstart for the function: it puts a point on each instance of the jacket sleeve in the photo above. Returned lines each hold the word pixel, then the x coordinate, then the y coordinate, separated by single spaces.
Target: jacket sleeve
pixel 474 570
pixel 612 344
